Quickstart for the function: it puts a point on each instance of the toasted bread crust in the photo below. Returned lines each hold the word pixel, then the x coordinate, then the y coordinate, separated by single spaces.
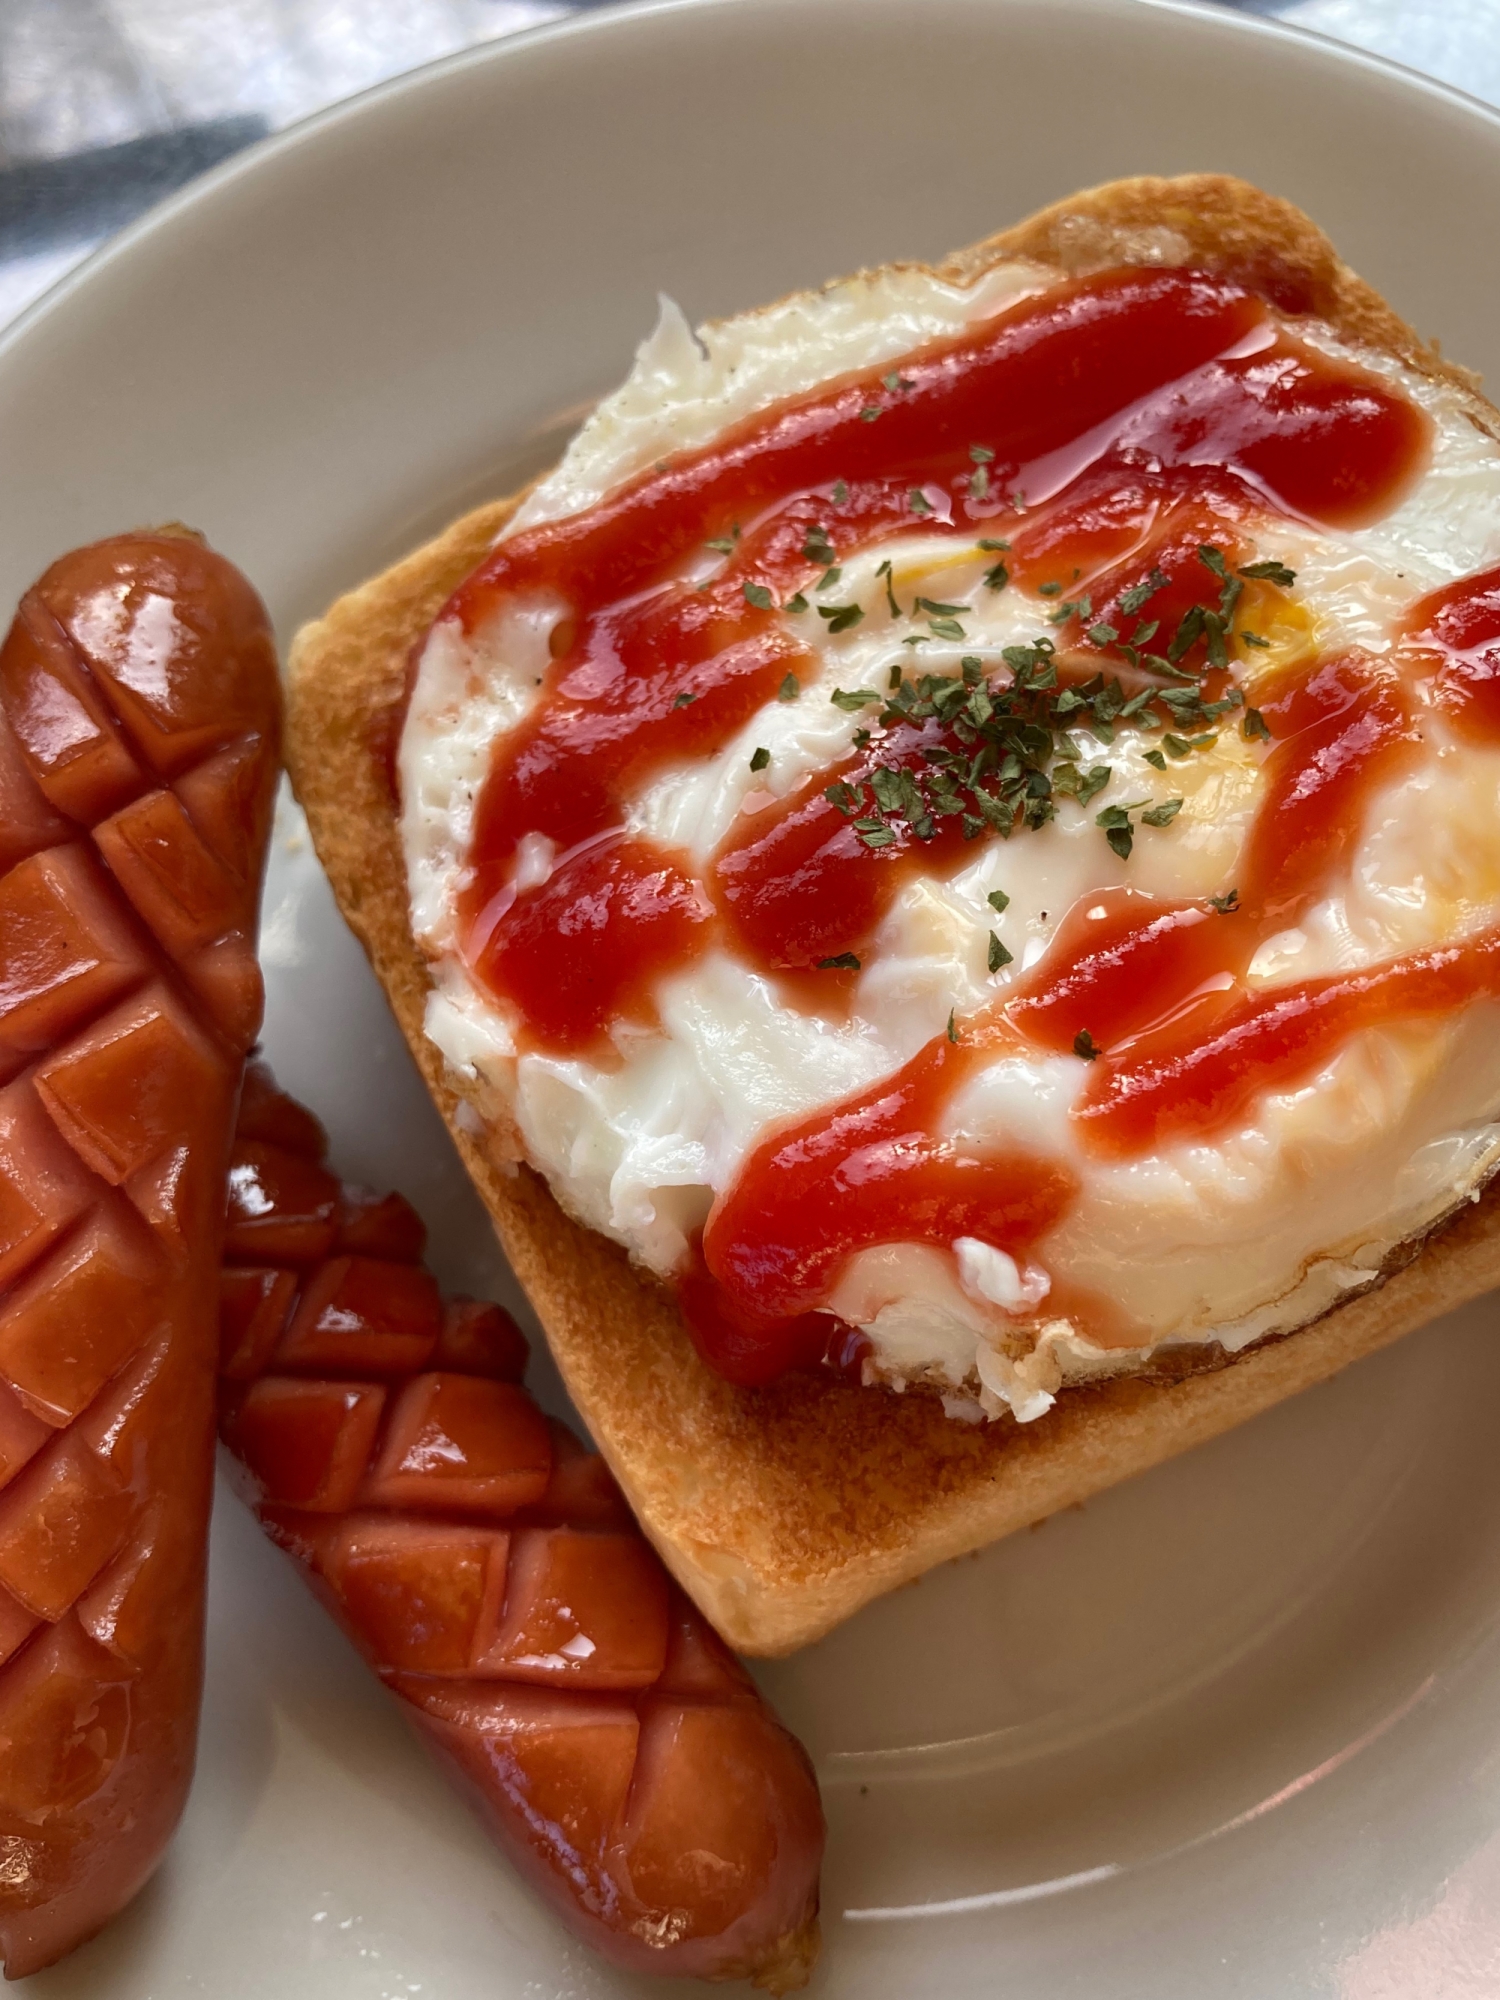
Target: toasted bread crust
pixel 784 1509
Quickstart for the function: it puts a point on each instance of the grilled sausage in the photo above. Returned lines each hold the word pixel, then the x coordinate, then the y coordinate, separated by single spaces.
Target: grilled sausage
pixel 138 755
pixel 489 1570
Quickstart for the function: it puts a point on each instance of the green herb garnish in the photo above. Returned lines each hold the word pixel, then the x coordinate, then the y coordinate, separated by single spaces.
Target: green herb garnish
pixel 1131 600
pixel 1115 820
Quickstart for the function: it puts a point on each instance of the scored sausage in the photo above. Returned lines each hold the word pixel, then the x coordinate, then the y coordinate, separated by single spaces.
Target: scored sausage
pixel 490 1571
pixel 139 721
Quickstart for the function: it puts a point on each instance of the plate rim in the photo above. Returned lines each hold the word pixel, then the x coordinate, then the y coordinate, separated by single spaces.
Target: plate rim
pixel 1218 16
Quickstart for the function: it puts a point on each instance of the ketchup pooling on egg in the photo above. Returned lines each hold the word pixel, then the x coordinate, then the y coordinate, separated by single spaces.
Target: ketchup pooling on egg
pixel 1142 415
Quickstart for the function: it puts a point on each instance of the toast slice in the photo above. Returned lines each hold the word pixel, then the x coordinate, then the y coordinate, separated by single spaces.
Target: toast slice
pixel 784 1509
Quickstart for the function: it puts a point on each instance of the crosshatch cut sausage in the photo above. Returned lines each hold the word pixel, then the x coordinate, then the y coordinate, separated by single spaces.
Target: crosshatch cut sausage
pixel 139 727
pixel 489 1570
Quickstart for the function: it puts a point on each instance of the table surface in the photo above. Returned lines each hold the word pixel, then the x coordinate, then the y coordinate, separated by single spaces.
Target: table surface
pixel 106 106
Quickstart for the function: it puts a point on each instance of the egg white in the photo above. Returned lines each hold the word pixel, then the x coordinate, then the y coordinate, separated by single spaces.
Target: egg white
pixel 1252 1233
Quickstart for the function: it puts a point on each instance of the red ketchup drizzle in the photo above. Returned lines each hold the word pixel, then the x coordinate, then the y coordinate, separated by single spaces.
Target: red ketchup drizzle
pixel 796 885
pixel 1122 962
pixel 1156 983
pixel 1453 636
pixel 1141 414
pixel 1174 381
pixel 586 947
pixel 1175 1087
pixel 1344 730
pixel 870 1172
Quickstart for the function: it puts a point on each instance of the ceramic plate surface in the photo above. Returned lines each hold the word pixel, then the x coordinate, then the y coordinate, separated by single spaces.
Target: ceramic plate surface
pixel 1234 1729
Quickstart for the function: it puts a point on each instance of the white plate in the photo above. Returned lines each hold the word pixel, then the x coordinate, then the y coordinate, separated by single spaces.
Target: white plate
pixel 1234 1729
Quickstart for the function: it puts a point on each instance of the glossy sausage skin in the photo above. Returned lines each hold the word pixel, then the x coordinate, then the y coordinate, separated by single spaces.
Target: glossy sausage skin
pixel 490 1571
pixel 138 753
